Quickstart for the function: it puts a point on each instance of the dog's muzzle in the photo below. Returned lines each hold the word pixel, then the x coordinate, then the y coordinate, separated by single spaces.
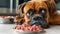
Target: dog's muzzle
pixel 37 20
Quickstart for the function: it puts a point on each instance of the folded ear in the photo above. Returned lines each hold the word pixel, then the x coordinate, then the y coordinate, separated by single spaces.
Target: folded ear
pixel 19 20
pixel 19 9
pixel 51 6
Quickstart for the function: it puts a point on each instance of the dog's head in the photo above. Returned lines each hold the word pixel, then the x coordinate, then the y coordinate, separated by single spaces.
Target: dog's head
pixel 36 12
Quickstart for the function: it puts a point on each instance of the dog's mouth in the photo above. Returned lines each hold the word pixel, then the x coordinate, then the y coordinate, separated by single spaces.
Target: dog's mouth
pixel 37 20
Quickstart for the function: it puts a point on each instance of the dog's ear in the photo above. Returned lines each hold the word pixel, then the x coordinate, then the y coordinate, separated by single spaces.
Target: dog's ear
pixel 19 20
pixel 51 6
pixel 19 9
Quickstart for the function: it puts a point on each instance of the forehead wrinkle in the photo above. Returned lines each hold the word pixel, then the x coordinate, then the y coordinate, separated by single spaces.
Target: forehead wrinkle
pixel 28 6
pixel 37 5
pixel 43 5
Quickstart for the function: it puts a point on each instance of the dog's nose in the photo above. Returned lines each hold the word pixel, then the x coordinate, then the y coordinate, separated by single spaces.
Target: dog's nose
pixel 37 18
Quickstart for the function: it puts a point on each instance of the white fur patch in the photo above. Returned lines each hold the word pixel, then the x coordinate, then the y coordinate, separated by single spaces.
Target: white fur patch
pixel 58 11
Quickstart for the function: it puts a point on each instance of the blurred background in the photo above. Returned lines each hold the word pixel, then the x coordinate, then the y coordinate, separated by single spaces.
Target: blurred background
pixel 8 12
pixel 58 4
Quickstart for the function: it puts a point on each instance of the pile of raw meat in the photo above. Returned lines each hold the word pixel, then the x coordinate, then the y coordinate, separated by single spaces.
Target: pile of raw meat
pixel 27 27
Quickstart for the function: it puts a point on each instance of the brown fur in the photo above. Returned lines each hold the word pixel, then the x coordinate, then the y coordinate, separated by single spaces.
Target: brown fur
pixel 51 14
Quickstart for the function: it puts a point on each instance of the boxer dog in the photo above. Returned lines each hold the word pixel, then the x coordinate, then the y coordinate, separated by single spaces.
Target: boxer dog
pixel 39 12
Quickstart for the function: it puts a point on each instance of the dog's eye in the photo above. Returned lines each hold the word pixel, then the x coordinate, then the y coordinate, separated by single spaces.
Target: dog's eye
pixel 30 12
pixel 42 11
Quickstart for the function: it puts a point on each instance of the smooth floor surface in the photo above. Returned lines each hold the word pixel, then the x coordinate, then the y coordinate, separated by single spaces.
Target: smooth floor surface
pixel 8 29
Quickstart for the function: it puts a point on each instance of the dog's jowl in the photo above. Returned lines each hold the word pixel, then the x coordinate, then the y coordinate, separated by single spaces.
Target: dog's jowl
pixel 38 13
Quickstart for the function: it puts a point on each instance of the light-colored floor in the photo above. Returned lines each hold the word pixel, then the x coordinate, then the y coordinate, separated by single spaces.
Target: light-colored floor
pixel 53 30
pixel 8 29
